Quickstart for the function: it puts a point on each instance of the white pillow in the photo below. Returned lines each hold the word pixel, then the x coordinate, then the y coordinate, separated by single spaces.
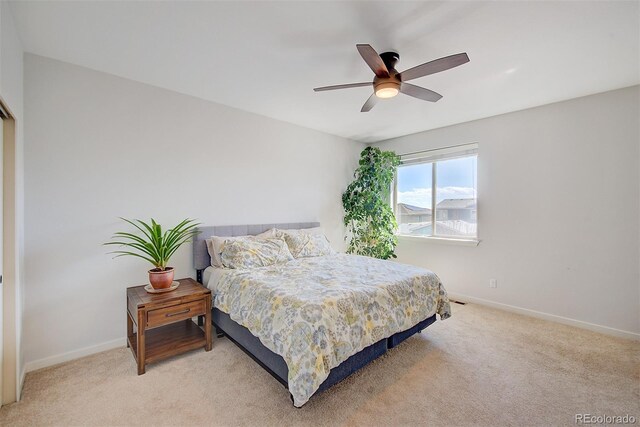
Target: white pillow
pixel 215 245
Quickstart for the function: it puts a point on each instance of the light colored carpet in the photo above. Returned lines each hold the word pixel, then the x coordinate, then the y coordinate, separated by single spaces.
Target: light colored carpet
pixel 481 367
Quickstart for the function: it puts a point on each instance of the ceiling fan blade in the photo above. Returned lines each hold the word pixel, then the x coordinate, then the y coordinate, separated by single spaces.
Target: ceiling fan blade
pixel 370 103
pixel 373 60
pixel 434 66
pixel 320 89
pixel 419 92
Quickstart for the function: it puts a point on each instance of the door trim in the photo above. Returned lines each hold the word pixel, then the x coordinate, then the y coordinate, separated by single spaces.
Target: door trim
pixel 11 381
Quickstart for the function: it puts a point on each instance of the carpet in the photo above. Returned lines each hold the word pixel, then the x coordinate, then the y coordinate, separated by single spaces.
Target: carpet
pixel 481 367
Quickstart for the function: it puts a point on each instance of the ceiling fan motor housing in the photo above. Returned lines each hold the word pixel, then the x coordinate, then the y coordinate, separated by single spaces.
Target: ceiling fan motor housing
pixel 387 87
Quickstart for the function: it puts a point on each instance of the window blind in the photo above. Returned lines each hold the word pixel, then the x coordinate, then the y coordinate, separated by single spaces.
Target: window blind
pixel 439 154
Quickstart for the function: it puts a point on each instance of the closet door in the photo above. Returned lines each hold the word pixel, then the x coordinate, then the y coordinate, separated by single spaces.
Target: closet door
pixel 1 259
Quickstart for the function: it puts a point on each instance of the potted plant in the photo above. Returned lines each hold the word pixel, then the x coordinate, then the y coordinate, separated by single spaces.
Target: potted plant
pixel 368 214
pixel 154 246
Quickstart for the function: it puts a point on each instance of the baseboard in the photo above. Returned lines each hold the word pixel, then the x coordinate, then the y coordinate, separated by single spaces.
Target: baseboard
pixel 547 316
pixel 71 355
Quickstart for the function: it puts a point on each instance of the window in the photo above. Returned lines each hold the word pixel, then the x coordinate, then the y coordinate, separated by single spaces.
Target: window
pixel 435 193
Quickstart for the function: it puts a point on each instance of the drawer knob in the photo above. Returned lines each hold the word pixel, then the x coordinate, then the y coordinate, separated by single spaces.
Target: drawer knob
pixel 178 312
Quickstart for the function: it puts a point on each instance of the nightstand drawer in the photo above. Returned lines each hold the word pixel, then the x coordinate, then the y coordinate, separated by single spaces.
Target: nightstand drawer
pixel 164 316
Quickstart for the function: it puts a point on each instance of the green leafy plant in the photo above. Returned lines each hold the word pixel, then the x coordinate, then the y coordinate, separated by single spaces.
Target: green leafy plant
pixel 152 244
pixel 368 215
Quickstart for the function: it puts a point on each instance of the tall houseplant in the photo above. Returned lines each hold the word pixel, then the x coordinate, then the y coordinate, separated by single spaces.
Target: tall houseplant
pixel 368 215
pixel 155 246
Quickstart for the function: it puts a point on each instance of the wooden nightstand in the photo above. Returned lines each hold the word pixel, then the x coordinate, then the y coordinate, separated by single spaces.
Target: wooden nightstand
pixel 163 322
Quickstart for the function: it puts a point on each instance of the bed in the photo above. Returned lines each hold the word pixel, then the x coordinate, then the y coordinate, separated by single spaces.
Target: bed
pixel 311 322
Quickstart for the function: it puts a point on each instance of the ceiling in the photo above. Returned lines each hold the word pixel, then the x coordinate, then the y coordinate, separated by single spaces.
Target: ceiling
pixel 265 57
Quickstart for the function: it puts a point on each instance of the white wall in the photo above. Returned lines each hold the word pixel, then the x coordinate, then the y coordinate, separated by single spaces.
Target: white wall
pixel 558 212
pixel 99 147
pixel 11 90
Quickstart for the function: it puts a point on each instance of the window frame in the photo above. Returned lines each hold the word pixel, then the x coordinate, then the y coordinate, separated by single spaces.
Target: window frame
pixel 433 157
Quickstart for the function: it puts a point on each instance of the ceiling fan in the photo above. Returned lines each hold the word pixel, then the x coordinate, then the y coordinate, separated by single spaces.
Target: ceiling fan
pixel 388 82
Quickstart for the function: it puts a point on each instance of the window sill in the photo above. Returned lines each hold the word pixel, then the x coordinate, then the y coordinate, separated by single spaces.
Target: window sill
pixel 445 240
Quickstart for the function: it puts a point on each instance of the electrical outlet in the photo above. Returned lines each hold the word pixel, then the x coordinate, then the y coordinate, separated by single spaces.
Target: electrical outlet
pixel 493 283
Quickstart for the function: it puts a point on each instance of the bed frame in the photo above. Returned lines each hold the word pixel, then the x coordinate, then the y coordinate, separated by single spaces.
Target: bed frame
pixel 250 344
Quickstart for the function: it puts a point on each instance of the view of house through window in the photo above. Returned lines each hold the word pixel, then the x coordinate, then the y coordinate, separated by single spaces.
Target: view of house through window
pixel 436 193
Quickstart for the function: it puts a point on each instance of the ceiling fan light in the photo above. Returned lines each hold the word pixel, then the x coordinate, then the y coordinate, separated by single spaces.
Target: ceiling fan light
pixel 387 90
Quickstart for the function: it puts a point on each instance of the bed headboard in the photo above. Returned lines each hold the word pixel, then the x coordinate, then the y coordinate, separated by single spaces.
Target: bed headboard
pixel 201 259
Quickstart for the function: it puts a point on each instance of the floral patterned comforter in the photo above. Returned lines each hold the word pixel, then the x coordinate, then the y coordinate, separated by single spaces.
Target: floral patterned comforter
pixel 317 312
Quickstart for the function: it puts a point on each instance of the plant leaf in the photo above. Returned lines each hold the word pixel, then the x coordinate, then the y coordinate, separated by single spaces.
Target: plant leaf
pixel 123 253
pixel 153 245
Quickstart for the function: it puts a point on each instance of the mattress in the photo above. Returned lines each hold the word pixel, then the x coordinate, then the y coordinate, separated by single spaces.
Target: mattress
pixel 317 312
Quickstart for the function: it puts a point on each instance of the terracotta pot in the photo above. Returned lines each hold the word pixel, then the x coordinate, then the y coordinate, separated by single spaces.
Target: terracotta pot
pixel 161 279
